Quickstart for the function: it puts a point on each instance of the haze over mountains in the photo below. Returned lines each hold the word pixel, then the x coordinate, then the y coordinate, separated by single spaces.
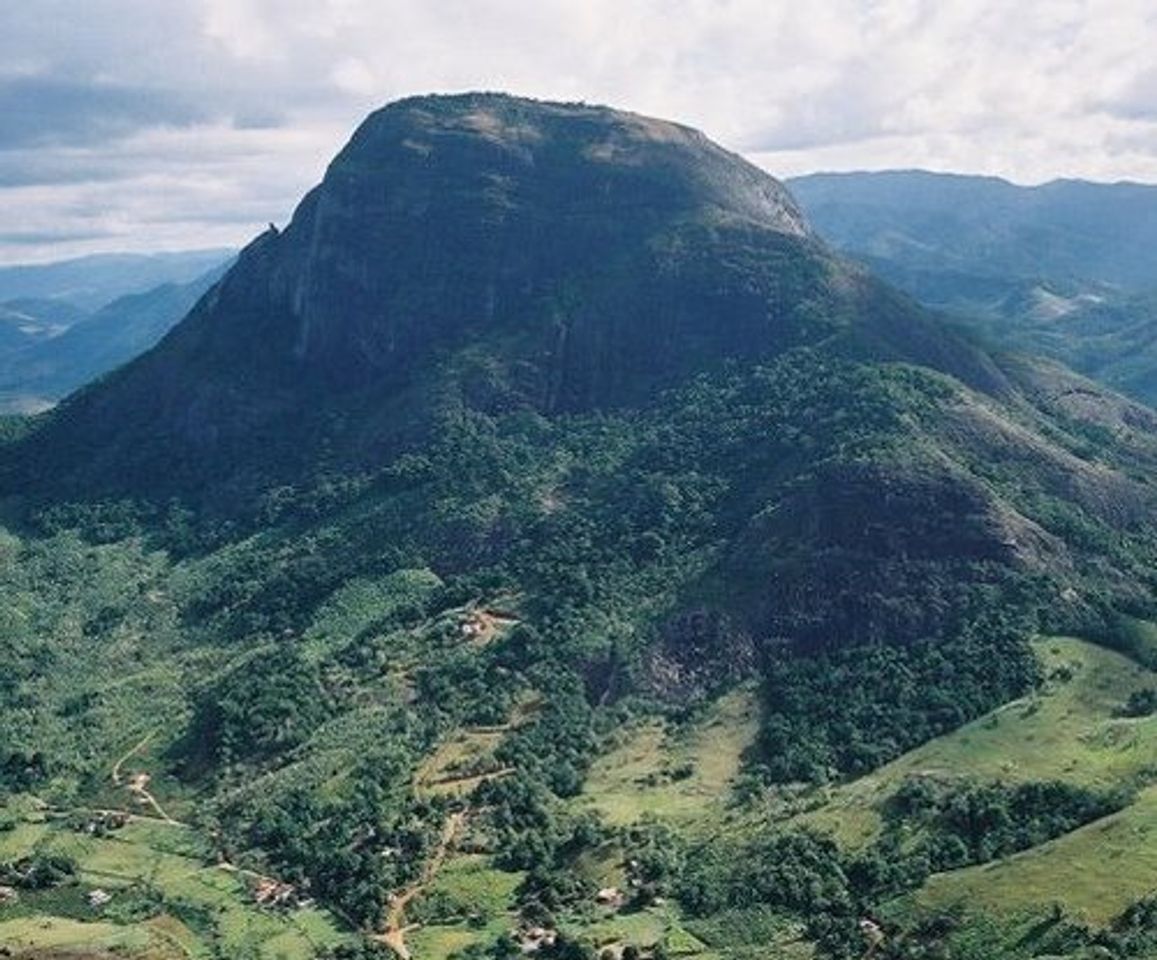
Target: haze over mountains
pixel 47 369
pixel 983 227
pixel 52 339
pixel 547 543
pixel 94 281
pixel 1067 269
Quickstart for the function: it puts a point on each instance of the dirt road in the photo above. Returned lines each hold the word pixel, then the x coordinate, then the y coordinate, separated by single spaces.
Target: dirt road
pixel 394 936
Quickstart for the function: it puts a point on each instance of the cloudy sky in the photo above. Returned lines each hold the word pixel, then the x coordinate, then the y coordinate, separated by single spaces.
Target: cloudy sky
pixel 173 124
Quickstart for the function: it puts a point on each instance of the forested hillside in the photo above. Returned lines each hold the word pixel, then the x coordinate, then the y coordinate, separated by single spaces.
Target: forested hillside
pixel 1064 269
pixel 545 544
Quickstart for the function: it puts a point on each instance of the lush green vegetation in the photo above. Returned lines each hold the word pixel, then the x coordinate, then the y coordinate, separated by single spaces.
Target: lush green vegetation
pixel 852 709
pixel 315 689
pixel 1141 703
pixel 593 578
pixel 981 822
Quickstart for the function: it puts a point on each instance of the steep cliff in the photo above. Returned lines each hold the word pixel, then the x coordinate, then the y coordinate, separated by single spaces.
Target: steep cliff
pixel 490 250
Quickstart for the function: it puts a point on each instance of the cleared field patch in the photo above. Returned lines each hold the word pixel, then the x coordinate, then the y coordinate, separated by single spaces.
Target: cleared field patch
pixel 466 758
pixel 642 928
pixel 680 775
pixel 1095 872
pixel 1069 731
pixel 460 763
pixel 442 941
pixel 480 888
pixel 57 933
pixel 484 898
pixel 168 859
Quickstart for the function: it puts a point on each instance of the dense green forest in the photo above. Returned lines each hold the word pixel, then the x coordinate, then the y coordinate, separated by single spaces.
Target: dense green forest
pixel 299 665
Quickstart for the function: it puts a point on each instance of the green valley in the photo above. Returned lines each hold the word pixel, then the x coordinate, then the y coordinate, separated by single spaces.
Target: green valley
pixel 545 545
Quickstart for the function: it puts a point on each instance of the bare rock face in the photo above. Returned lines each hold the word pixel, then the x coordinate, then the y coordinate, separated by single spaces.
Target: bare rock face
pixel 700 652
pixel 513 253
pixel 447 217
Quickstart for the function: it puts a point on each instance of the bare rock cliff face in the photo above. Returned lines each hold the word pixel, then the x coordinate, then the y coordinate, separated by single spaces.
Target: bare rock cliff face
pixel 582 257
pixel 450 217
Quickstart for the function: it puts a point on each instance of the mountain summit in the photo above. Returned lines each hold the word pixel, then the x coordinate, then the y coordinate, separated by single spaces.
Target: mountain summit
pixel 450 214
pixel 514 253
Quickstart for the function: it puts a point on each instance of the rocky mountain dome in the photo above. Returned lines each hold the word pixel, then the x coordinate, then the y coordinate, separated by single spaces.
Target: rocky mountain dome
pixel 508 252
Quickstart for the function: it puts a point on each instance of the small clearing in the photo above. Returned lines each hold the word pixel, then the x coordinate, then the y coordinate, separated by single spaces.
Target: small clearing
pixel 681 774
pixel 481 626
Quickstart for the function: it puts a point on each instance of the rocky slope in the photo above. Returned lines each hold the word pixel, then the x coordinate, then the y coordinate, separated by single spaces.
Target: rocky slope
pixel 557 257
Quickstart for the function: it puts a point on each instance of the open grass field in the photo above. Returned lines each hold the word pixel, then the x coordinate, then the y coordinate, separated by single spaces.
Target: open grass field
pixel 681 775
pixel 26 934
pixel 470 880
pixel 1094 872
pixel 1067 731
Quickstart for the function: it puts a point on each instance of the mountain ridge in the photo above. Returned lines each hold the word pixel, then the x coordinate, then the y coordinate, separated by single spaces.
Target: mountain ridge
pixel 1063 269
pixel 92 281
pixel 590 257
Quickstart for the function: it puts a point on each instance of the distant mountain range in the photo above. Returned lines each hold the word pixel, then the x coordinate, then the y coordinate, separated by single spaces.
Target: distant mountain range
pixel 51 344
pixel 25 321
pixel 41 372
pixel 1068 269
pixel 94 281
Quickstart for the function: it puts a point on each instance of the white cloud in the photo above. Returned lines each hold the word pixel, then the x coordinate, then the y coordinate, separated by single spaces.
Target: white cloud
pixel 355 76
pixel 1030 91
pixel 240 27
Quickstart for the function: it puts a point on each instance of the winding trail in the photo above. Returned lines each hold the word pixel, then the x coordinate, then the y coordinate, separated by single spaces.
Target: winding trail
pixel 116 767
pixel 139 787
pixel 394 936
pixel 138 784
